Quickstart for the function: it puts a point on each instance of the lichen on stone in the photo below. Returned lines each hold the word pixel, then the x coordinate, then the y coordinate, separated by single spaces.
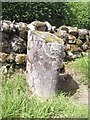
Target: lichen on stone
pixel 38 23
pixel 52 39
pixel 20 58
pixel 3 57
pixel 79 42
pixel 48 37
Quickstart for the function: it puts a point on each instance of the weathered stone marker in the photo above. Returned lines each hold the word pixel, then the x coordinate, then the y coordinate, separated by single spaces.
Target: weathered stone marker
pixel 44 62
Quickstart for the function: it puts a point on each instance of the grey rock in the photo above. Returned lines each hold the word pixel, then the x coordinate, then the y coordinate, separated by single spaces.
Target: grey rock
pixel 64 27
pixel 11 57
pixel 48 25
pixel 41 26
pixel 5 44
pixel 17 44
pixel 44 63
pixel 62 34
pixel 20 58
pixel 20 26
pixel 3 70
pixel 71 39
pixel 82 34
pixel 37 25
pixel 3 57
pixel 7 26
pixel 73 31
pixel 84 47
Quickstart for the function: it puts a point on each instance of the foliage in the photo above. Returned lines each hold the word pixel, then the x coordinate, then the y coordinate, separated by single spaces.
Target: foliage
pixel 57 13
pixel 79 14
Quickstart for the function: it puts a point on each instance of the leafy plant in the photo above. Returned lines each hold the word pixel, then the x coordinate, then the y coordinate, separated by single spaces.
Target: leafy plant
pixel 57 13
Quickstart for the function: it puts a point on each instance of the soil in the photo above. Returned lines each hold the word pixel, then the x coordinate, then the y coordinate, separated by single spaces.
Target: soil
pixel 82 94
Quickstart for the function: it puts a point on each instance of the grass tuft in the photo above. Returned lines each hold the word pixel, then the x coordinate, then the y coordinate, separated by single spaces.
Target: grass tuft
pixel 18 103
pixel 80 68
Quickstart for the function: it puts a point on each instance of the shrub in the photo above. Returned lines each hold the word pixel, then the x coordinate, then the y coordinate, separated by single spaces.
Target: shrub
pixel 57 13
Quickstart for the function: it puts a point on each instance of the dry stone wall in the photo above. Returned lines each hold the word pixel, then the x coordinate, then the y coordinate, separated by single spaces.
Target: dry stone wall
pixel 44 48
pixel 14 38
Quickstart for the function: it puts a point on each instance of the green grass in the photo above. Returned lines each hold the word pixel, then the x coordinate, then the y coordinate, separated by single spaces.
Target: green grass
pixel 81 68
pixel 17 102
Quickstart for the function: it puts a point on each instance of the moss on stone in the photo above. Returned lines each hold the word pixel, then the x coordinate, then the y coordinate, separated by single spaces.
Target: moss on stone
pixel 79 42
pixel 20 58
pixel 38 23
pixel 48 37
pixel 52 39
pixel 3 57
